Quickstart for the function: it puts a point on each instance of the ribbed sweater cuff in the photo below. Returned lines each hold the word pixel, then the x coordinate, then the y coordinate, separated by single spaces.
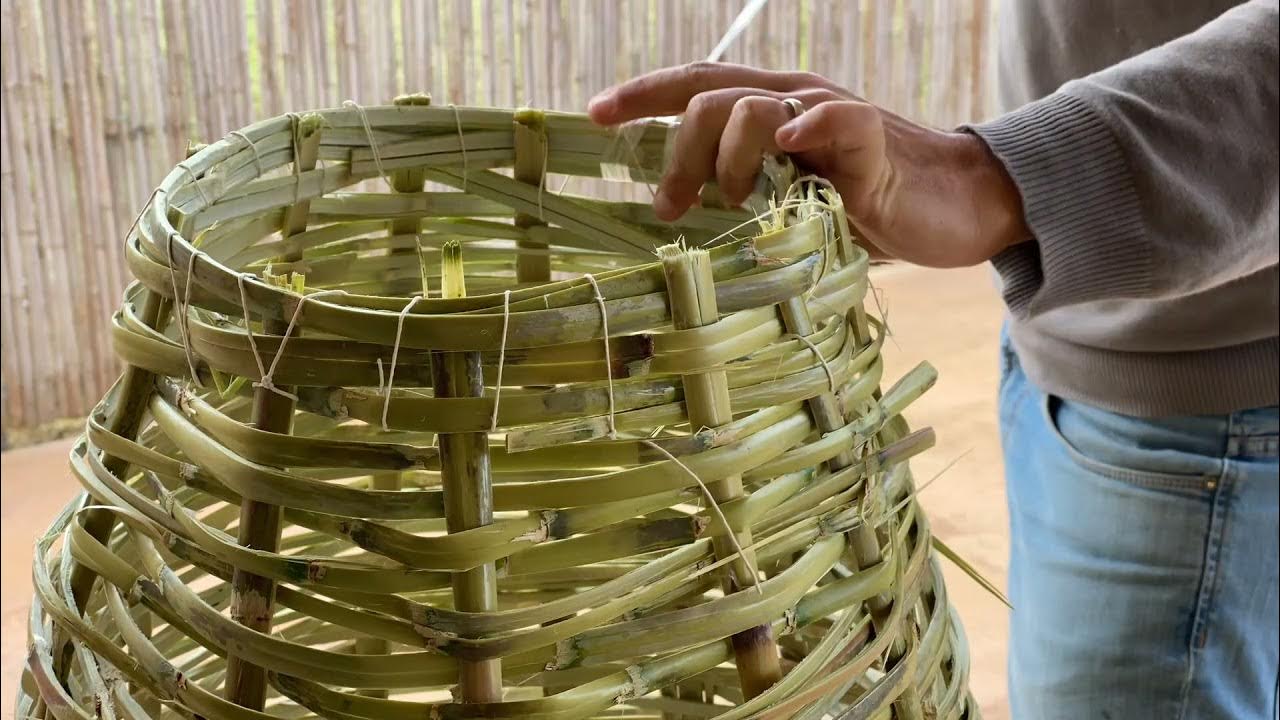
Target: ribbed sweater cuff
pixel 1079 201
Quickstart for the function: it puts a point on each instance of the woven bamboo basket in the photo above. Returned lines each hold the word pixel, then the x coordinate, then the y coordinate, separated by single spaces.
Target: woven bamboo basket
pixel 492 451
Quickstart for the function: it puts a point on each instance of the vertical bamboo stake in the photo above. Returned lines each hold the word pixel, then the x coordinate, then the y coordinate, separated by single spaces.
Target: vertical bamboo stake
pixel 253 596
pixel 468 488
pixel 22 237
pixel 706 395
pixel 533 261
pixel 850 52
pixel 508 49
pixel 405 181
pixel 18 361
pixel 78 281
pixel 915 57
pixel 269 80
pixel 977 59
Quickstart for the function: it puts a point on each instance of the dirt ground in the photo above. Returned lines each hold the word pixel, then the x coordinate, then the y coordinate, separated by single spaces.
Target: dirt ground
pixel 949 318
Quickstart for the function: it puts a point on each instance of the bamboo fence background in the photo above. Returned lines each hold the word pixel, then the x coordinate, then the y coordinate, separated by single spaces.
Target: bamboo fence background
pixel 101 97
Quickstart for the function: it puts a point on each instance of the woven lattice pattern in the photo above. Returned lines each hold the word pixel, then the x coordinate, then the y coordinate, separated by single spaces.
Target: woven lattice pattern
pixel 494 450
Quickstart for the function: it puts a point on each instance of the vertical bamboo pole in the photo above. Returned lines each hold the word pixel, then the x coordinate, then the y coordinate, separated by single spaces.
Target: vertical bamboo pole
pixel 489 58
pixel 269 78
pixel 850 49
pixel 977 21
pixel 863 541
pixel 468 488
pixel 78 282
pixel 22 232
pixel 411 180
pixel 253 596
pixel 508 49
pixel 533 261
pixel 18 361
pixel 177 63
pixel 915 57
pixel 706 395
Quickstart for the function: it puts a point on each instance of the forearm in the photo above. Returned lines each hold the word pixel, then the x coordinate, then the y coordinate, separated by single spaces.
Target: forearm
pixel 1156 177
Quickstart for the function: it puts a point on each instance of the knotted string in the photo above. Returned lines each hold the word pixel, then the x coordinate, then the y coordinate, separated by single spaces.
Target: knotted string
pixel 502 358
pixel 195 181
pixel 608 359
pixel 395 353
pixel 257 157
pixel 264 379
pixel 831 376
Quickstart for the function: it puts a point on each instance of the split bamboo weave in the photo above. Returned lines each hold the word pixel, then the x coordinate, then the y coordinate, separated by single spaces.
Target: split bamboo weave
pixel 409 431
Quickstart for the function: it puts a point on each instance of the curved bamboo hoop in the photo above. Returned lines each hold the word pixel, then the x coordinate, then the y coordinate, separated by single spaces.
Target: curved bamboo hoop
pixel 307 496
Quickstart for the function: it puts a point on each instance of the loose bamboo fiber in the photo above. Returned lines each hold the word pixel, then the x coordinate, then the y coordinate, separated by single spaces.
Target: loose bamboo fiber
pixel 310 494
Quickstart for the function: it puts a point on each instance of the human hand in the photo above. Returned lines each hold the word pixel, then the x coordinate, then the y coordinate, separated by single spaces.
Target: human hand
pixel 926 196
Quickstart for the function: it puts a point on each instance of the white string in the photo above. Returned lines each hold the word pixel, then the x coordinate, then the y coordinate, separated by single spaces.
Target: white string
pixel 264 380
pixel 288 332
pixel 195 181
pixel 257 157
pixel 608 360
pixel 395 352
pixel 715 507
pixel 382 380
pixel 373 145
pixel 180 308
pixel 502 358
pixel 138 218
pixel 831 376
pixel 457 119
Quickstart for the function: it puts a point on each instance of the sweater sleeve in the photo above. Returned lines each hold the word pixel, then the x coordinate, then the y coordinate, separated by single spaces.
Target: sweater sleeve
pixel 1154 178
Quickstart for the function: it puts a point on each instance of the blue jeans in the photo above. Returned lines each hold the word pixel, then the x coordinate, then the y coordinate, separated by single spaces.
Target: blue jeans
pixel 1143 567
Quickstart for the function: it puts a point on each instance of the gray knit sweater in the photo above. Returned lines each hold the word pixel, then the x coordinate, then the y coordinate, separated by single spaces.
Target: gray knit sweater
pixel 1149 180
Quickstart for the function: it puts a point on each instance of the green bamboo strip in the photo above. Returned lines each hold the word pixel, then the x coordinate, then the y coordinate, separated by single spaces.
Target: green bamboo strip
pixel 253 596
pixel 693 304
pixel 468 491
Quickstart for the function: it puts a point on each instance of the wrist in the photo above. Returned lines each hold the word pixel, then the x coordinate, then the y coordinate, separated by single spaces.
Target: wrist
pixel 997 202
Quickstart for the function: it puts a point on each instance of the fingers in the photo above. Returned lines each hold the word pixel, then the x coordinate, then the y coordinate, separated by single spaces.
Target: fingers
pixel 723 135
pixel 748 135
pixel 693 159
pixel 669 91
pixel 845 141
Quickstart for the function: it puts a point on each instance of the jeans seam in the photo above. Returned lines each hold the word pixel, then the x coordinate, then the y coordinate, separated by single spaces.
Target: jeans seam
pixel 1210 580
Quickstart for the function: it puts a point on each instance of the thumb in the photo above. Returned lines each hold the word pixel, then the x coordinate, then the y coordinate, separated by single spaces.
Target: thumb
pixel 847 125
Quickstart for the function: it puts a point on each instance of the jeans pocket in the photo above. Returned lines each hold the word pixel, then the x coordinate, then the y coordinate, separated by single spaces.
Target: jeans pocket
pixel 1132 450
